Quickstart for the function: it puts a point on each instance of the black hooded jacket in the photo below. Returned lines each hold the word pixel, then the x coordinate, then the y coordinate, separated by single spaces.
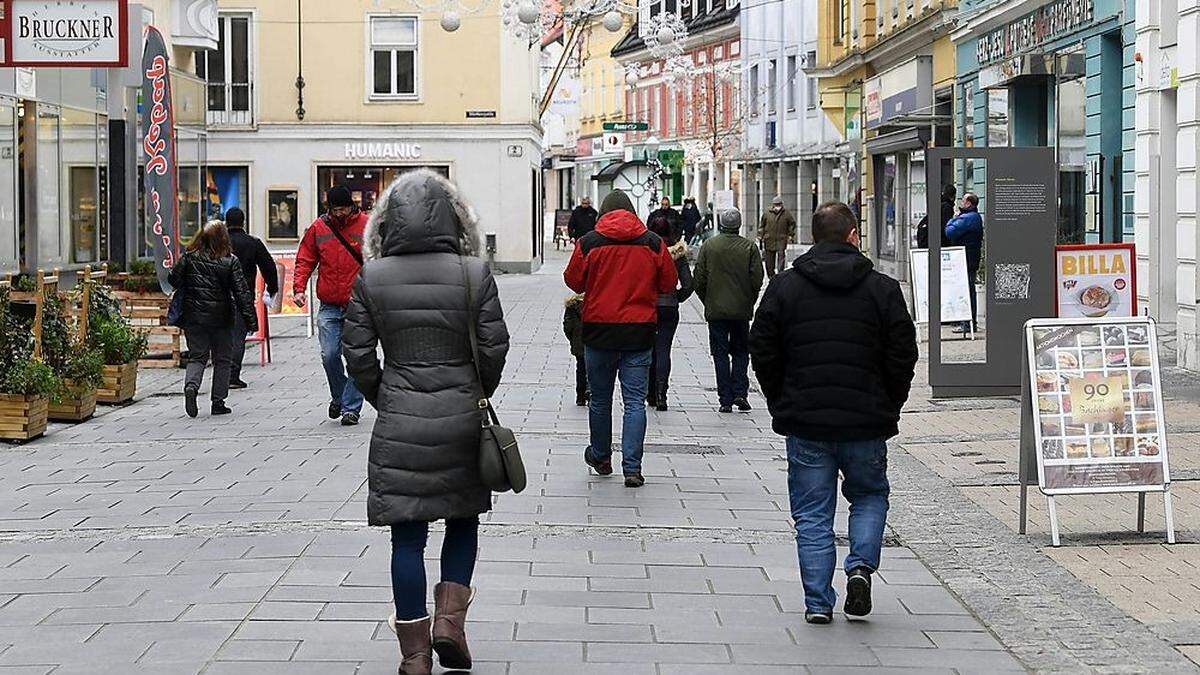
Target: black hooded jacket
pixel 213 289
pixel 834 348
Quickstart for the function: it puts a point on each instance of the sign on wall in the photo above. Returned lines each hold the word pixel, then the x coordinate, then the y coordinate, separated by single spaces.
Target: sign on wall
pixel 1036 28
pixel 158 146
pixel 64 33
pixel 1096 280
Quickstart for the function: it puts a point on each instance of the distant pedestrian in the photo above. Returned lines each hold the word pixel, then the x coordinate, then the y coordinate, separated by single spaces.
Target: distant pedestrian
pixel 834 350
pixel 573 329
pixel 622 268
pixel 966 229
pixel 707 227
pixel 665 219
pixel 691 219
pixel 583 219
pixel 668 320
pixel 776 231
pixel 214 293
pixel 729 274
pixel 334 244
pixel 946 215
pixel 254 258
pixel 422 288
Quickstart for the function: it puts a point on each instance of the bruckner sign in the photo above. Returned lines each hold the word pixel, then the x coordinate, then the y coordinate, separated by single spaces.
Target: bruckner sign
pixel 1031 31
pixel 64 33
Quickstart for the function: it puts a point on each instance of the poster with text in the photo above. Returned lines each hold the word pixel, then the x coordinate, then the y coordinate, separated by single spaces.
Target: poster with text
pixel 1097 398
pixel 956 289
pixel 1096 280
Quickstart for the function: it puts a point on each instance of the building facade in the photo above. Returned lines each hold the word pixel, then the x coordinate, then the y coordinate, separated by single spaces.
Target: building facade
pixel 790 148
pixel 601 99
pixel 385 90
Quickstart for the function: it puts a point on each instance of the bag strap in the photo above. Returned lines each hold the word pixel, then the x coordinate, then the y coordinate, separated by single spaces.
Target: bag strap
pixel 349 249
pixel 484 403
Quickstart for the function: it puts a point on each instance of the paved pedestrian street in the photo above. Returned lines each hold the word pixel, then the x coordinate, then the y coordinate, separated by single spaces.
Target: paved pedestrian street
pixel 146 542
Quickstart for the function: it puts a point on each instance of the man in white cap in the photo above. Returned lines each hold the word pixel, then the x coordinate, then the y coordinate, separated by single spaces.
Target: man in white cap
pixel 776 230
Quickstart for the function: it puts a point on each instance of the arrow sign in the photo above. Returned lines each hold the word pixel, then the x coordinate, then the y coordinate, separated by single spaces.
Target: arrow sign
pixel 626 126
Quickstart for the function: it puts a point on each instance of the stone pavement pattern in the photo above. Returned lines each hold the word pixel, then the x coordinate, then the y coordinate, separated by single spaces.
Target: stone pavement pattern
pixel 145 542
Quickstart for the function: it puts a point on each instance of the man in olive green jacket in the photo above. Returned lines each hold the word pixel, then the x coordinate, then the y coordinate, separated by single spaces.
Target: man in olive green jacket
pixel 727 278
pixel 776 230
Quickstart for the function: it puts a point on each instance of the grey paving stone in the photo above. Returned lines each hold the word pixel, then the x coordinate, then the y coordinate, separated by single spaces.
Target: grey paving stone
pixel 656 653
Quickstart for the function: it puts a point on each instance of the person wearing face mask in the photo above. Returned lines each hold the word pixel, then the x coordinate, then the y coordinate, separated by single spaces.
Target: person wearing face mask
pixel 776 230
pixel 333 243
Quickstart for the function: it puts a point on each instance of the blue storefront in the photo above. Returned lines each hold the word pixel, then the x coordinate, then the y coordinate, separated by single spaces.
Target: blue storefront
pixel 1057 74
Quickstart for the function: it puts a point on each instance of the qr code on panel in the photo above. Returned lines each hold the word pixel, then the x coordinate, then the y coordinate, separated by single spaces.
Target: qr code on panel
pixel 1012 281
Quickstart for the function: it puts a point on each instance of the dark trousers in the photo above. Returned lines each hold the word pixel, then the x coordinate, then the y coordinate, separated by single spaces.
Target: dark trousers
pixel 774 262
pixel 459 549
pixel 237 338
pixel 729 342
pixel 581 383
pixel 660 359
pixel 971 274
pixel 203 341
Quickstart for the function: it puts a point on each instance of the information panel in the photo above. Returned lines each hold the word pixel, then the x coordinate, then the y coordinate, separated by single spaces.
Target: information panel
pixel 956 289
pixel 1097 404
pixel 1096 280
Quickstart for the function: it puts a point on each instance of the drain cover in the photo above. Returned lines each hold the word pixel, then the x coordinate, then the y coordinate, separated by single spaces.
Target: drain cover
pixel 683 449
pixel 966 453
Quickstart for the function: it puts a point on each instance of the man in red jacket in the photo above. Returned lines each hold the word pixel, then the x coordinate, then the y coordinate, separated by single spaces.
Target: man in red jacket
pixel 621 268
pixel 334 243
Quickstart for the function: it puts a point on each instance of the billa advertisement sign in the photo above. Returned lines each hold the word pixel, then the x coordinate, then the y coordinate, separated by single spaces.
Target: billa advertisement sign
pixel 158 145
pixel 64 33
pixel 1096 280
pixel 1096 399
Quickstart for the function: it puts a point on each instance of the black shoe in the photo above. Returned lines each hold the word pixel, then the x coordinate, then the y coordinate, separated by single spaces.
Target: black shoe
pixel 189 402
pixel 219 408
pixel 236 383
pixel 725 409
pixel 858 592
pixel 604 468
pixel 581 400
pixel 349 419
pixel 335 410
pixel 660 404
pixel 819 618
pixel 634 480
pixel 742 404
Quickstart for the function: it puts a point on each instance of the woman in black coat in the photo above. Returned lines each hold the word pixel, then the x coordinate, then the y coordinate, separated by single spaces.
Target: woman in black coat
pixel 421 245
pixel 214 288
pixel 668 318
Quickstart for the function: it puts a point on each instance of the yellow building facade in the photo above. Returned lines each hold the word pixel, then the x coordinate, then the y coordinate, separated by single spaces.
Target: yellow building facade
pixel 602 99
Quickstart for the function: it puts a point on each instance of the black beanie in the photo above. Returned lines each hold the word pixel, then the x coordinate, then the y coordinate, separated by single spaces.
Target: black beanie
pixel 339 195
pixel 616 200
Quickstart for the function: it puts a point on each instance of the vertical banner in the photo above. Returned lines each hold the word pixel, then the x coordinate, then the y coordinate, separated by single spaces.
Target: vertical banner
pixel 158 144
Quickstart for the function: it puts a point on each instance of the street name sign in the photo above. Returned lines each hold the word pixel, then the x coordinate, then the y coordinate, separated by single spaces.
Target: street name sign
pixel 626 126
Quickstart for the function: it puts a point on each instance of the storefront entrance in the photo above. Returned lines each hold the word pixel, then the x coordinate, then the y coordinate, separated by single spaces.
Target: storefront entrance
pixel 365 182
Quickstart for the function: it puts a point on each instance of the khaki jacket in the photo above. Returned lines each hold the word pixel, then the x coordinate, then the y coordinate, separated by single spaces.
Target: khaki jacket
pixel 777 229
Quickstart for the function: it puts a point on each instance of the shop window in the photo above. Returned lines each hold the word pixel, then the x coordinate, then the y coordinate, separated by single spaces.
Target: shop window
pixel 364 182
pixel 1076 198
pixel 48 201
pixel 227 70
pixel 393 57
pixel 227 187
pixel 81 162
pixel 886 232
pixel 997 118
pixel 9 238
pixel 790 86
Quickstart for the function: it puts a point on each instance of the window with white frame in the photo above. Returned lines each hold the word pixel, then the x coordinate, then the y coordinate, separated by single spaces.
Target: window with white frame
pixel 754 101
pixel 228 71
pixel 393 70
pixel 811 82
pixel 772 87
pixel 789 86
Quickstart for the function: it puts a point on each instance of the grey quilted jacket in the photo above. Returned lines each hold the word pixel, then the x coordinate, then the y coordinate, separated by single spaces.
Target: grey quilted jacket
pixel 410 298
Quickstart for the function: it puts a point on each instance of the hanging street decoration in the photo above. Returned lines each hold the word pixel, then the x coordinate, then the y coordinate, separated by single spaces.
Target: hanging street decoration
pixel 664 35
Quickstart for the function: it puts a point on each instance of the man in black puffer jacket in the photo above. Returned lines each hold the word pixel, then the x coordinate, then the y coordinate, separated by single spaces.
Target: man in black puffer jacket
pixel 834 349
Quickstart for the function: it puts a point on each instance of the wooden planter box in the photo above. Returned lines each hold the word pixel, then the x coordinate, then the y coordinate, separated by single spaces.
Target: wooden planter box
pixel 120 383
pixel 77 406
pixel 148 311
pixel 22 417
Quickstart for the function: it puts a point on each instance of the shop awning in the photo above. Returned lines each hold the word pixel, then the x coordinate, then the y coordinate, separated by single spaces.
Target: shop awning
pixel 898 141
pixel 614 169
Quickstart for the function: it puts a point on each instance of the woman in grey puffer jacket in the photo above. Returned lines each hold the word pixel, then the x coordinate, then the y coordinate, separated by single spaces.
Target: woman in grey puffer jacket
pixel 421 244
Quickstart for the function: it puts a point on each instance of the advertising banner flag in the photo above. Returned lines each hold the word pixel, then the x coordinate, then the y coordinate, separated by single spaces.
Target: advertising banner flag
pixel 158 144
pixel 1096 280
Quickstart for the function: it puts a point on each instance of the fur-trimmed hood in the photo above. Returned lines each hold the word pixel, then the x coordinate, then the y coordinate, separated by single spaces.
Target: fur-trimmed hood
pixel 421 212
pixel 575 300
pixel 679 250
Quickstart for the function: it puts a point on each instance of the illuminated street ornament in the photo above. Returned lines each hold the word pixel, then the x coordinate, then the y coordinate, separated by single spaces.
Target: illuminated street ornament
pixel 451 11
pixel 679 70
pixel 528 13
pixel 451 21
pixel 664 35
pixel 613 21
pixel 632 76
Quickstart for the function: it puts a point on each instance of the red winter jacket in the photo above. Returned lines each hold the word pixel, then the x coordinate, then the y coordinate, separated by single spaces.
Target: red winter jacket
pixel 621 268
pixel 338 267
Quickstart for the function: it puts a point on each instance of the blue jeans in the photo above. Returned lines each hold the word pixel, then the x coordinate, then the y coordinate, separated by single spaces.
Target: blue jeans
pixel 812 487
pixel 603 366
pixel 729 342
pixel 459 549
pixel 329 334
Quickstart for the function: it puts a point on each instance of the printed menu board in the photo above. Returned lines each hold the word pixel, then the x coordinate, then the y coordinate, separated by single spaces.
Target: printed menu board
pixel 1096 397
pixel 1096 280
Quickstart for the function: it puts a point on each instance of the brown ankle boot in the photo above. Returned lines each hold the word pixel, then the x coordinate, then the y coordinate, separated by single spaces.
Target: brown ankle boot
pixel 415 652
pixel 450 601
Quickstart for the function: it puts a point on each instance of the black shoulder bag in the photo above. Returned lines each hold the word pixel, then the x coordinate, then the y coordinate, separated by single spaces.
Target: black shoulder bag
pixel 500 465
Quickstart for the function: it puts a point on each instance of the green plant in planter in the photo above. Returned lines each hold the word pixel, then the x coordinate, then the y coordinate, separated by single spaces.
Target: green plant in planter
pixel 61 349
pixel 142 278
pixel 116 341
pixel 20 373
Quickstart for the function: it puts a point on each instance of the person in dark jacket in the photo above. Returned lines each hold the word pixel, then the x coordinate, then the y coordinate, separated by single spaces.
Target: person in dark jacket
pixel 665 219
pixel 573 329
pixel 668 320
pixel 214 291
pixel 583 219
pixel 420 288
pixel 834 349
pixel 966 229
pixel 622 268
pixel 339 264
pixel 947 214
pixel 691 219
pixel 729 274
pixel 254 258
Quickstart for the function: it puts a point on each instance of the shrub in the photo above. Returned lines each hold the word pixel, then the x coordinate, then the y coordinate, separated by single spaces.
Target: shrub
pixel 115 340
pixel 30 377
pixel 142 267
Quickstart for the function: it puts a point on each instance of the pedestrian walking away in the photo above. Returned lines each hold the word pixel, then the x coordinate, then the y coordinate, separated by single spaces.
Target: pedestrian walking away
pixel 333 243
pixel 665 219
pixel 622 268
pixel 834 350
pixel 573 329
pixel 776 231
pixel 729 275
pixel 947 214
pixel 691 218
pixel 966 229
pixel 583 219
pixel 254 258
pixel 668 320
pixel 421 246
pixel 214 292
